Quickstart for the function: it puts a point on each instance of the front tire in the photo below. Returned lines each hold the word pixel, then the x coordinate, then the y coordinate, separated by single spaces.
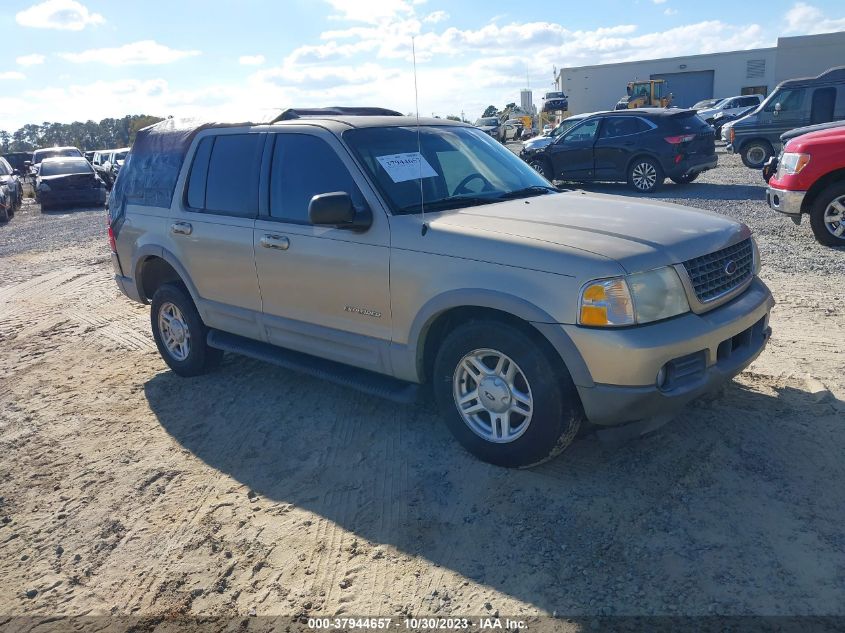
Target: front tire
pixel 179 332
pixel 755 154
pixel 504 397
pixel 827 215
pixel 542 167
pixel 645 175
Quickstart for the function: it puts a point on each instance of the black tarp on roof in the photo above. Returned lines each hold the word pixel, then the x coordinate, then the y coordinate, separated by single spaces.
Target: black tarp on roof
pixel 149 173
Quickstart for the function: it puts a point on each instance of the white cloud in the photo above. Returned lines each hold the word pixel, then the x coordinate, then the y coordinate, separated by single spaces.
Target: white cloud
pixel 251 60
pixel 30 60
pixel 670 11
pixel 12 74
pixel 807 19
pixel 370 11
pixel 436 16
pixel 67 15
pixel 658 1
pixel 146 52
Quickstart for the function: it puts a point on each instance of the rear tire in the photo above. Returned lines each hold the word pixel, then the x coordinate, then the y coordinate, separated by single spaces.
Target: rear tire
pixel 4 215
pixel 827 215
pixel 179 332
pixel 523 415
pixel 645 175
pixel 755 154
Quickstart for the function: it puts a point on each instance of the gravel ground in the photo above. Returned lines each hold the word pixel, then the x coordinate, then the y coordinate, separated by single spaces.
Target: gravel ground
pixel 127 490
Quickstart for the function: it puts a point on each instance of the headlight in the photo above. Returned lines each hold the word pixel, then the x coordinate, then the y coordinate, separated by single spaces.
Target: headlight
pixel 635 299
pixel 792 163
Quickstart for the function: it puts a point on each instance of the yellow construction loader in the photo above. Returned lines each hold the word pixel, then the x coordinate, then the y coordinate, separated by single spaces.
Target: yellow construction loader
pixel 649 93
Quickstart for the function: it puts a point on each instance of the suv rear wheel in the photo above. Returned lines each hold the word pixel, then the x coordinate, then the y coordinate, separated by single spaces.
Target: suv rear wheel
pixel 755 154
pixel 179 332
pixel 827 216
pixel 502 397
pixel 645 175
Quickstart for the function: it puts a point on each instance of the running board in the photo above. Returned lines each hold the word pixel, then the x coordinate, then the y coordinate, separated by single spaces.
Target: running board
pixel 345 375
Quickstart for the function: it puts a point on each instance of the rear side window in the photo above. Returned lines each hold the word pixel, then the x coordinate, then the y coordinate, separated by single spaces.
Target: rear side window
pixel 224 175
pixel 303 167
pixel 623 126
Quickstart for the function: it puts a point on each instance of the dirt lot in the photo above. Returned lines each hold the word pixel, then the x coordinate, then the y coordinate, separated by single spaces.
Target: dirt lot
pixel 127 490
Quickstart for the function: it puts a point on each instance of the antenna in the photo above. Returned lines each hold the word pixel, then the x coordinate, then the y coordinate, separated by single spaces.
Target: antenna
pixel 424 229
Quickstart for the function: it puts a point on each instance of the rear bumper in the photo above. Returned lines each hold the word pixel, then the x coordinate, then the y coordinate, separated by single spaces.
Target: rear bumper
pixel 126 284
pixel 703 351
pixel 785 201
pixel 694 165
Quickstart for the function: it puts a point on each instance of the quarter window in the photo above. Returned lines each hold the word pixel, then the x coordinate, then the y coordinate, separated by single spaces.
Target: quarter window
pixel 303 167
pixel 224 174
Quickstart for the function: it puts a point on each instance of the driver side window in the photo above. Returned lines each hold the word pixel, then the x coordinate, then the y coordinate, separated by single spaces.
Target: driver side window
pixel 582 133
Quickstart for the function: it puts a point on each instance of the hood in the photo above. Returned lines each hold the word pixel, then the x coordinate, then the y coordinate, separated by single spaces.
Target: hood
pixel 639 235
pixel 537 143
pixel 487 128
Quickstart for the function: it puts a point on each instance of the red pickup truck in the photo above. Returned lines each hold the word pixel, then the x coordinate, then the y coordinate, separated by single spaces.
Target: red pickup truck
pixel 810 178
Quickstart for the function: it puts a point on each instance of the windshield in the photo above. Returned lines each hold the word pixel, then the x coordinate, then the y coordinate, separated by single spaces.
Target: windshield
pixel 41 154
pixel 554 95
pixel 565 126
pixel 487 121
pixel 458 165
pixel 65 167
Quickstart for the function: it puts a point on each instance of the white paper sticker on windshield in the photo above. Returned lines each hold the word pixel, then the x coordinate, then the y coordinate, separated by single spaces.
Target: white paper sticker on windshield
pixel 408 166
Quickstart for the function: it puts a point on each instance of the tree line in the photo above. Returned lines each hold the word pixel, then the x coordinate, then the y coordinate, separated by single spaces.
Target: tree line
pixel 86 135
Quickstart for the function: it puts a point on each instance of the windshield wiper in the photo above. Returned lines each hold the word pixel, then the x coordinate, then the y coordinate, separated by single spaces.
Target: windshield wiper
pixel 450 202
pixel 533 190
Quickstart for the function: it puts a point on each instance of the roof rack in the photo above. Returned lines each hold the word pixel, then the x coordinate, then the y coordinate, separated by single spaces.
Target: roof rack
pixel 296 113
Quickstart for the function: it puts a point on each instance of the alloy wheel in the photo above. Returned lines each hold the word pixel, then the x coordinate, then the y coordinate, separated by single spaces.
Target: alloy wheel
pixel 644 176
pixel 174 330
pixel 834 217
pixel 492 395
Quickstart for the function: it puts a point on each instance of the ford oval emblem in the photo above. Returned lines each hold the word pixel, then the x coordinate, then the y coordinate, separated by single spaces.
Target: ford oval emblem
pixel 730 268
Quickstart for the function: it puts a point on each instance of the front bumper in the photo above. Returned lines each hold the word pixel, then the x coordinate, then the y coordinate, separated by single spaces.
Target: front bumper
pixel 785 201
pixel 73 196
pixel 703 350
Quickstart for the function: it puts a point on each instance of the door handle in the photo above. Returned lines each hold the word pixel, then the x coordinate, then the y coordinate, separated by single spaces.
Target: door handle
pixel 279 242
pixel 181 228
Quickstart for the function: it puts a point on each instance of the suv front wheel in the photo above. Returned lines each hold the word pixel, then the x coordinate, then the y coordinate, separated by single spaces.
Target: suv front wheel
pixel 179 332
pixel 502 397
pixel 755 154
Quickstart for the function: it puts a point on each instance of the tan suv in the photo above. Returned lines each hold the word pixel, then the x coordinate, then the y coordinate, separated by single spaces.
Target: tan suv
pixel 357 246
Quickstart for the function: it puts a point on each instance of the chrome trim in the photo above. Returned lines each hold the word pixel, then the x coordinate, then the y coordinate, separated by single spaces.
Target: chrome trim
pixel 789 202
pixel 700 307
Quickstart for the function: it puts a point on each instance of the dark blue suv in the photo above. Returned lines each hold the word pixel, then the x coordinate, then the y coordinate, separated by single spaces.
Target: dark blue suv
pixel 641 147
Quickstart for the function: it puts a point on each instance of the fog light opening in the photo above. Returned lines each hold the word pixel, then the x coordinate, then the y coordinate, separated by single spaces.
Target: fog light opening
pixel 661 377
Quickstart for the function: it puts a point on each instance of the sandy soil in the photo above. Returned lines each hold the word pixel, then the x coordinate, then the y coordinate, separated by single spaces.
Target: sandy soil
pixel 125 489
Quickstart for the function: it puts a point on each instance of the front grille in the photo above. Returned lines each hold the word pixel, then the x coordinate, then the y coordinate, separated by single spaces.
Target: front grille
pixel 708 273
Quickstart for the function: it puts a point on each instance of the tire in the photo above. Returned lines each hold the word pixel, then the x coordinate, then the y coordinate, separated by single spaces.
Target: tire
pixel 194 356
pixel 4 214
pixel 829 205
pixel 685 179
pixel 645 175
pixel 555 409
pixel 755 154
pixel 542 167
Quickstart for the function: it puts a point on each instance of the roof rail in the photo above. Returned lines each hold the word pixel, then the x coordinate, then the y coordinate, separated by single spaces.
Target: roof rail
pixel 296 113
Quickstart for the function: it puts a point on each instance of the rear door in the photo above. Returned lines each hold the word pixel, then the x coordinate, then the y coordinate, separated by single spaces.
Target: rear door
pixel 572 154
pixel 325 290
pixel 210 232
pixel 620 136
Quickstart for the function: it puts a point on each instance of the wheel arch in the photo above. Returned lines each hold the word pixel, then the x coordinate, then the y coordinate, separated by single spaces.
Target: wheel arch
pixel 441 314
pixel 642 154
pixel 154 266
pixel 819 186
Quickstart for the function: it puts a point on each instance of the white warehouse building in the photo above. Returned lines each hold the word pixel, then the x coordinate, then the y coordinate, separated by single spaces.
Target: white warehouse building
pixel 696 77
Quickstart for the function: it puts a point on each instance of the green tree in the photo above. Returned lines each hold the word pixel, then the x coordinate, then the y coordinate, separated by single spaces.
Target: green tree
pixel 490 111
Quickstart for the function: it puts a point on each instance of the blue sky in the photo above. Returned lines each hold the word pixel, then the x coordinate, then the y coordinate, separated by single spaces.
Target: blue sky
pixel 66 60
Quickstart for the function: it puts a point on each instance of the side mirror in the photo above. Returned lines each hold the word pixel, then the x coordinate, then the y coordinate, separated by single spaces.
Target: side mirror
pixel 16 172
pixel 336 209
pixel 777 108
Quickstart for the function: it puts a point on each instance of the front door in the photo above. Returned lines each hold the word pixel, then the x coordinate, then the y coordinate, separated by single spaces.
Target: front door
pixel 325 291
pixel 572 154
pixel 211 232
pixel 786 111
